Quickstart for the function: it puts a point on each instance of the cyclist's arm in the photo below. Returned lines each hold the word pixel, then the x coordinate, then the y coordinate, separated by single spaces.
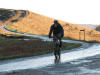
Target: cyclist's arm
pixel 62 31
pixel 51 29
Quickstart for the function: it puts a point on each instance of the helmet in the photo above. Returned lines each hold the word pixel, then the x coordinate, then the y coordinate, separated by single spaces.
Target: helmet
pixel 55 21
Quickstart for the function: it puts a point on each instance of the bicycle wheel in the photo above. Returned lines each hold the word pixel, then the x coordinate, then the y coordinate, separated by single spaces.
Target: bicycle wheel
pixel 56 44
pixel 58 52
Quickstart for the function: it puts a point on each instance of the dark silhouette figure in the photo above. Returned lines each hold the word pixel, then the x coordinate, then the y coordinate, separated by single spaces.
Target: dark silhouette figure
pixel 58 34
pixel 58 31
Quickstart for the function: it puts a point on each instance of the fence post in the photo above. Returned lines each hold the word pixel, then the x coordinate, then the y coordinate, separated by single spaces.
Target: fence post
pixel 80 34
pixel 84 35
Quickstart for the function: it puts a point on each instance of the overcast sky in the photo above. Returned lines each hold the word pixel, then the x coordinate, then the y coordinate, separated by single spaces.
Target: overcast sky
pixel 74 11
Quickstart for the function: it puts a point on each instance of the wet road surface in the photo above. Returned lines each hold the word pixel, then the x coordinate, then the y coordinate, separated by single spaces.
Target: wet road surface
pixel 86 66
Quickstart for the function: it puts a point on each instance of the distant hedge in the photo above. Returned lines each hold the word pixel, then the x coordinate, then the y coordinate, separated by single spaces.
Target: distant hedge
pixel 6 14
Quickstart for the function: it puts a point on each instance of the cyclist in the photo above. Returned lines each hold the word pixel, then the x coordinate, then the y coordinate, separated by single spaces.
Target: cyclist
pixel 58 32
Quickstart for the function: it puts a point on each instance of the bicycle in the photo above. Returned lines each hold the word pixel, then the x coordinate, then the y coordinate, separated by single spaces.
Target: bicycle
pixel 56 46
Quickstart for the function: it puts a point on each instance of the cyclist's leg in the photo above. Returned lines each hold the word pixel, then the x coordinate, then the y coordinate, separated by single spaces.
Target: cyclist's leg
pixel 58 51
pixel 59 37
pixel 54 44
pixel 60 43
pixel 57 47
pixel 55 53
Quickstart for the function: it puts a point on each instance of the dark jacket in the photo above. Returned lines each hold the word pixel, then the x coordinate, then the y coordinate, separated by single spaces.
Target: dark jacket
pixel 57 30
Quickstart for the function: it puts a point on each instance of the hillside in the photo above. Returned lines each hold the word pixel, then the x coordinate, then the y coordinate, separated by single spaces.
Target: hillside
pixel 38 24
pixel 9 16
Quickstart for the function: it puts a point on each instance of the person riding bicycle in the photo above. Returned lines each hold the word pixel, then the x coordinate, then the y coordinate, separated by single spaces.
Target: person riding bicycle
pixel 58 31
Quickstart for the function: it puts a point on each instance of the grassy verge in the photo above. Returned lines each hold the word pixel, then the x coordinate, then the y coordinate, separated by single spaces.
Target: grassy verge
pixel 92 41
pixel 15 48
